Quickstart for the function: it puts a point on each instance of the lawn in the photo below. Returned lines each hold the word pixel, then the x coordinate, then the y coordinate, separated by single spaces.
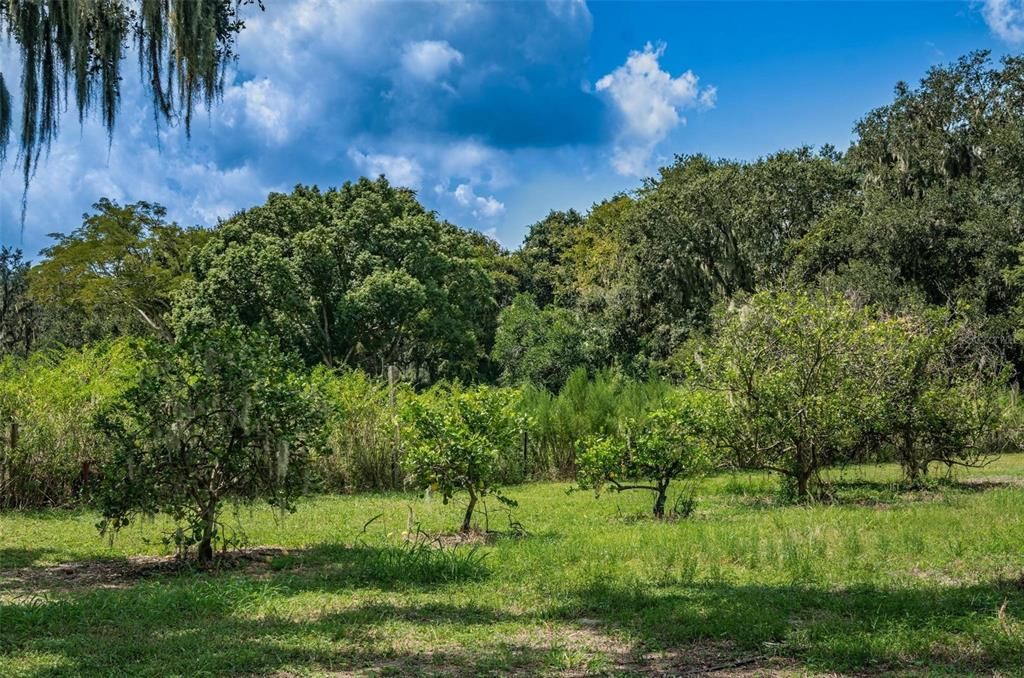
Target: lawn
pixel 877 581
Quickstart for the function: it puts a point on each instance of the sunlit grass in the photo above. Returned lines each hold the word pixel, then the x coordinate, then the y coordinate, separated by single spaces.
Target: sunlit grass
pixel 878 580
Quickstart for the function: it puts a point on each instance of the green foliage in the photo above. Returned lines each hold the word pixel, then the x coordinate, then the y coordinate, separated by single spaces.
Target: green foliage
pixel 116 274
pixel 17 313
pixel 677 440
pixel 943 388
pixel 544 274
pixel 801 380
pixel 540 346
pixel 585 406
pixel 363 450
pixel 458 441
pixel 360 276
pixel 218 416
pixel 936 219
pixel 49 452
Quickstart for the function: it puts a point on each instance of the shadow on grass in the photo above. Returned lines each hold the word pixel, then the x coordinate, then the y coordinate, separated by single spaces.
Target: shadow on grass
pixel 21 557
pixel 324 567
pixel 326 611
pixel 191 630
pixel 957 629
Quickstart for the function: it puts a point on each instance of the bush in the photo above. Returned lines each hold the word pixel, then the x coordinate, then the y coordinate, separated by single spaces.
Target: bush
pixel 803 383
pixel 674 441
pixel 942 389
pixel 49 451
pixel 215 417
pixel 458 441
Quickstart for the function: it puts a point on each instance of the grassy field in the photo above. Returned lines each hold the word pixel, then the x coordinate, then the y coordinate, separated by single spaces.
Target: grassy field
pixel 878 581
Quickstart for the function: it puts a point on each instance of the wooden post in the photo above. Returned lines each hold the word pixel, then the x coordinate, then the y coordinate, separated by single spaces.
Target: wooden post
pixel 392 384
pixel 526 451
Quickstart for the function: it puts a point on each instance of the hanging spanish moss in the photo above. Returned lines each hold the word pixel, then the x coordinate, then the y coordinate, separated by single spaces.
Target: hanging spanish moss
pixel 73 49
pixel 5 119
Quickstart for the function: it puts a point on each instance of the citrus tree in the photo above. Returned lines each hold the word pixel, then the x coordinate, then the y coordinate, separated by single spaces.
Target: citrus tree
pixel 674 441
pixel 456 441
pixel 801 376
pixel 215 417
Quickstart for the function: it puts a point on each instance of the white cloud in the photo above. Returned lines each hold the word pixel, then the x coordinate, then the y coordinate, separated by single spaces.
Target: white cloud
pixel 648 100
pixel 306 102
pixel 400 170
pixel 268 109
pixel 429 60
pixel 1005 18
pixel 570 10
pixel 482 207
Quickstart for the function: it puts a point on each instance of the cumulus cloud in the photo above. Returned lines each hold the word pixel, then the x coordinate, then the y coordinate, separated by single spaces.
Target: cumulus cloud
pixel 428 60
pixel 400 170
pixel 482 207
pixel 648 101
pixel 1005 18
pixel 325 90
pixel 263 106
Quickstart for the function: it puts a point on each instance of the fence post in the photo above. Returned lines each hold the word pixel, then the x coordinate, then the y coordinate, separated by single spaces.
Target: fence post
pixel 392 383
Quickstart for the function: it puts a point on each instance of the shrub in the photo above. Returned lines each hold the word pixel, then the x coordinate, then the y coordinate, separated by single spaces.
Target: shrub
pixel 674 441
pixel 942 389
pixel 802 382
pixel 49 451
pixel 215 417
pixel 457 438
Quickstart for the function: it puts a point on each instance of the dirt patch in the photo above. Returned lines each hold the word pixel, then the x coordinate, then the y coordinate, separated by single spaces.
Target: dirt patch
pixel 125 572
pixel 992 482
pixel 588 649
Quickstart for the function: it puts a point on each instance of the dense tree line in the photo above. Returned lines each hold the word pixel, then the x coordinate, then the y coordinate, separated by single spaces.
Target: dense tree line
pixel 807 309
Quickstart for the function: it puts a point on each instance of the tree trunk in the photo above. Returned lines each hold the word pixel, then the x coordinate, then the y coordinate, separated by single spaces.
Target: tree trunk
pixel 469 512
pixel 911 467
pixel 209 519
pixel 659 503
pixel 803 478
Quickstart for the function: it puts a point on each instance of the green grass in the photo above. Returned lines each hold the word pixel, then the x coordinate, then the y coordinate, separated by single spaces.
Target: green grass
pixel 879 581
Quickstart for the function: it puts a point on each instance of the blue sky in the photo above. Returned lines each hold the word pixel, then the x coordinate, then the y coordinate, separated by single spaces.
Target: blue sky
pixel 496 113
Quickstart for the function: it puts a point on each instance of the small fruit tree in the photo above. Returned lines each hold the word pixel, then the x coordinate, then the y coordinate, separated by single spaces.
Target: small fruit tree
pixel 218 416
pixel 457 438
pixel 802 377
pixel 672 442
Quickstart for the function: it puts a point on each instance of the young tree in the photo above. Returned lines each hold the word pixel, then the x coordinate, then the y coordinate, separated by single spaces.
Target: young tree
pixel 215 417
pixel 940 386
pixel 456 441
pixel 799 374
pixel 674 441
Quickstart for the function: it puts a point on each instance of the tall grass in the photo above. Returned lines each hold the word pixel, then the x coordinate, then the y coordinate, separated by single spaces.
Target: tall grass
pixel 49 449
pixel 585 406
pixel 363 450
pixel 365 430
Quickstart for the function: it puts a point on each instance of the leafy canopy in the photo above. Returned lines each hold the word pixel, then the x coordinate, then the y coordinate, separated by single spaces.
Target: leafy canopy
pixel 218 416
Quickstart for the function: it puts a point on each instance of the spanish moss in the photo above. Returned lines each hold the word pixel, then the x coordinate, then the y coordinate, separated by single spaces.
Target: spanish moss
pixel 72 50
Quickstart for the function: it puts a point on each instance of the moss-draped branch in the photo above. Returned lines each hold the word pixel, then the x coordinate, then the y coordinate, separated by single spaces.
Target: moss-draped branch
pixel 72 50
